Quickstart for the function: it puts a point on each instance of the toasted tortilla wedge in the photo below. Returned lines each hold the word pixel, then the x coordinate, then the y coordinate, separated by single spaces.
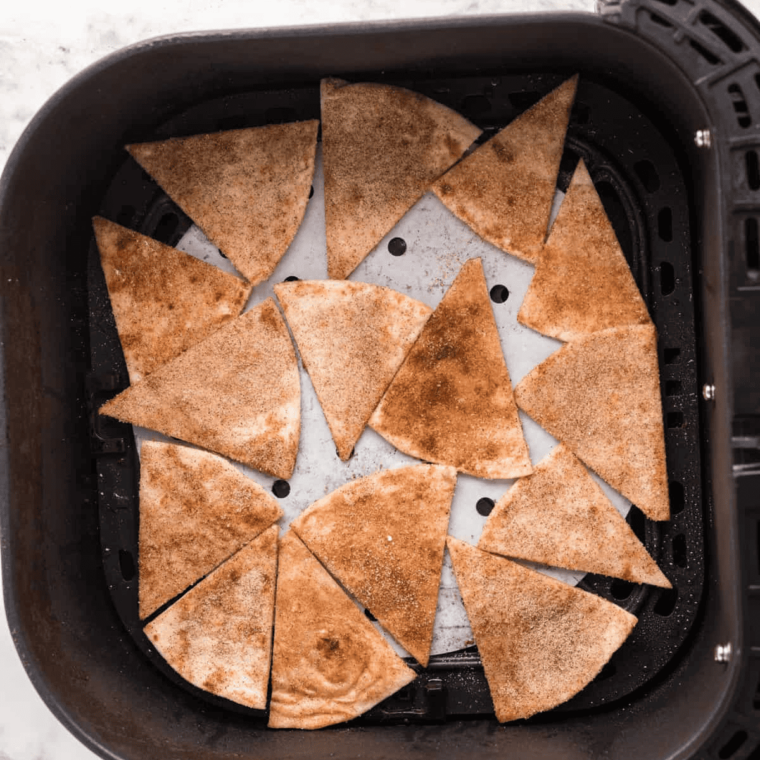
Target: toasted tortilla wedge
pixel 383 147
pixel 352 338
pixel 383 537
pixel 600 396
pixel 559 516
pixel 582 282
pixel 451 402
pixel 247 189
pixel 196 510
pixel 329 664
pixel 504 189
pixel 163 300
pixel 541 641
pixel 218 636
pixel 237 393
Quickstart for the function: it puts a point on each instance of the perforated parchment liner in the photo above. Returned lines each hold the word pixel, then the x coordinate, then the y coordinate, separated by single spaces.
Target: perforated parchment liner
pixel 437 244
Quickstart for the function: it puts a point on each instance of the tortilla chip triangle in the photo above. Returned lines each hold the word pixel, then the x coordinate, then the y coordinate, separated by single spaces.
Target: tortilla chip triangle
pixel 582 282
pixel 352 338
pixel 559 516
pixel 237 393
pixel 383 537
pixel 504 189
pixel 540 641
pixel 329 664
pixel 163 300
pixel 600 396
pixel 196 509
pixel 218 636
pixel 451 402
pixel 383 147
pixel 247 189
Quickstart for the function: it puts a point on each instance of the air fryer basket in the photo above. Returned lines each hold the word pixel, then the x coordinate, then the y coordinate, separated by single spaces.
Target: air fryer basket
pixel 666 120
pixel 646 199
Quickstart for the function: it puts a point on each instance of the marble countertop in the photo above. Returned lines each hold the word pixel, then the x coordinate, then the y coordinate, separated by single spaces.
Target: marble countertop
pixel 41 47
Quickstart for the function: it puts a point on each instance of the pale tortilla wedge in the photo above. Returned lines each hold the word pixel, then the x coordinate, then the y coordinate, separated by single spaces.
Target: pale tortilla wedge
pixel 163 300
pixel 540 641
pixel 237 393
pixel 383 537
pixel 504 189
pixel 582 282
pixel 247 189
pixel 559 516
pixel 383 147
pixel 329 663
pixel 451 402
pixel 352 338
pixel 196 509
pixel 600 396
pixel 218 636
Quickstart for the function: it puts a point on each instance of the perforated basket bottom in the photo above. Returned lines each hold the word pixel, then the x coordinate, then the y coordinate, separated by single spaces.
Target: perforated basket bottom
pixel 637 176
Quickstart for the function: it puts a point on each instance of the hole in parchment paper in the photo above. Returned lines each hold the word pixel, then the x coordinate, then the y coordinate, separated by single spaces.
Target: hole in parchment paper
pixel 485 506
pixel 499 293
pixel 280 488
pixel 292 278
pixel 370 616
pixel 397 246
pixel 311 191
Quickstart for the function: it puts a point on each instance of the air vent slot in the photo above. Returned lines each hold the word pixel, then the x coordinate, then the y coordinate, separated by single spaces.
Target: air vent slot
pixel 660 21
pixel 741 109
pixel 647 173
pixel 126 565
pixel 667 602
pixel 752 246
pixel 711 58
pixel 753 169
pixel 673 388
pixel 667 278
pixel 733 745
pixel 727 36
pixel 524 100
pixel 680 555
pixel 677 497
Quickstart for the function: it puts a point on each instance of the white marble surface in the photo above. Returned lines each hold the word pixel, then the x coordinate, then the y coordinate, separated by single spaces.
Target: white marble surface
pixel 42 45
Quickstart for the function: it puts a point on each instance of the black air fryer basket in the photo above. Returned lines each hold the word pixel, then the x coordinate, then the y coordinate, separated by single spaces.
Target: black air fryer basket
pixel 667 118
